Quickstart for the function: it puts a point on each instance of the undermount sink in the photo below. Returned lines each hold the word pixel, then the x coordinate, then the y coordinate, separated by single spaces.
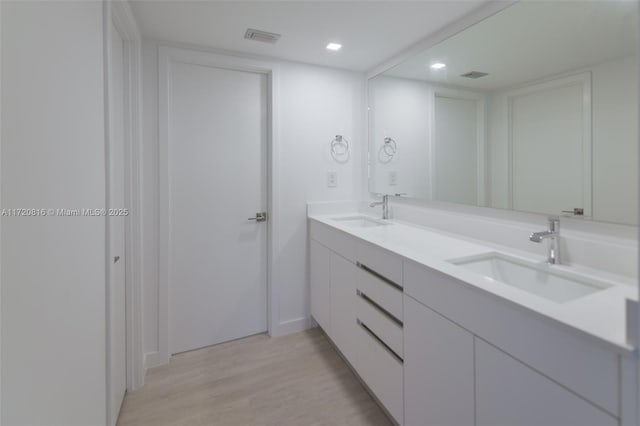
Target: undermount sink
pixel 536 278
pixel 360 221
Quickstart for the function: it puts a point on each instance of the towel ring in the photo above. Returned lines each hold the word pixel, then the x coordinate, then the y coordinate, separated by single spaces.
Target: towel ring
pixel 390 147
pixel 387 151
pixel 340 149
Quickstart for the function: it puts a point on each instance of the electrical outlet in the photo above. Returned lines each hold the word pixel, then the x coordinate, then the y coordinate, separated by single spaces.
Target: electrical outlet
pixel 393 178
pixel 332 179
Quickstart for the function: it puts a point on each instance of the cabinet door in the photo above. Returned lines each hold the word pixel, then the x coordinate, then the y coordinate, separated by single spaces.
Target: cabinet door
pixel 508 393
pixel 320 264
pixel 438 369
pixel 343 296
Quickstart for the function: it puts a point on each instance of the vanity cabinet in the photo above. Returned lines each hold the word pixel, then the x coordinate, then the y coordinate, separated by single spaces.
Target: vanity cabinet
pixel 448 371
pixel 359 306
pixel 579 370
pixel 436 350
pixel 438 369
pixel 509 393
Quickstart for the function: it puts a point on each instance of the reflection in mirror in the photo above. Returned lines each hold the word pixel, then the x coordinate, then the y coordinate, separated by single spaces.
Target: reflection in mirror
pixel 533 109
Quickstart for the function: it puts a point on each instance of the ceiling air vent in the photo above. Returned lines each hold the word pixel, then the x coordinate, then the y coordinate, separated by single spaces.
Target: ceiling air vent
pixel 474 74
pixel 263 36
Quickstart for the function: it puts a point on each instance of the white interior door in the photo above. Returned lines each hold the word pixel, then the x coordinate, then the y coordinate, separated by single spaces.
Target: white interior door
pixel 117 296
pixel 551 148
pixel 455 150
pixel 217 180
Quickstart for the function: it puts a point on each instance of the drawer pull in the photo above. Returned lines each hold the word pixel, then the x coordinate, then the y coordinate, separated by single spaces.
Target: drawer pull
pixel 377 275
pixel 382 310
pixel 379 340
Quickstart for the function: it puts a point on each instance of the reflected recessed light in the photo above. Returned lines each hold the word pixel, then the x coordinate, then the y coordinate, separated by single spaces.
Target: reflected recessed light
pixel 438 66
pixel 334 46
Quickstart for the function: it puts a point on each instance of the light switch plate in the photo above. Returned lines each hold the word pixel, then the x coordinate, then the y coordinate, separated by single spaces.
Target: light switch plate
pixel 332 179
pixel 393 178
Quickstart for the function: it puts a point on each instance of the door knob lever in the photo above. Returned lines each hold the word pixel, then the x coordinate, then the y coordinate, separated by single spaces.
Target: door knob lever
pixel 577 211
pixel 260 217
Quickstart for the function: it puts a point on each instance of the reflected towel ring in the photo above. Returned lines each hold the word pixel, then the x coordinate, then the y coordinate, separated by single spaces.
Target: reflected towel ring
pixel 390 147
pixel 340 149
pixel 387 151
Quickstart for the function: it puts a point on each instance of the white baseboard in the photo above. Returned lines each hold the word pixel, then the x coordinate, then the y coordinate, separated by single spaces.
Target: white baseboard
pixel 313 323
pixel 153 359
pixel 291 326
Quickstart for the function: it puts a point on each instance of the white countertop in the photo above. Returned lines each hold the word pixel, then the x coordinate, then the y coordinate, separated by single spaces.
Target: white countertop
pixel 601 314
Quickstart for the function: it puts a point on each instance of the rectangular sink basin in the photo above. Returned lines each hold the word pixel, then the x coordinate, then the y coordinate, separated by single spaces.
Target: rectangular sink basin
pixel 536 278
pixel 360 221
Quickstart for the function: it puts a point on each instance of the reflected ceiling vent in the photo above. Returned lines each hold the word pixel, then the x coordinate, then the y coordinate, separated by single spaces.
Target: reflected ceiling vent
pixel 474 74
pixel 263 36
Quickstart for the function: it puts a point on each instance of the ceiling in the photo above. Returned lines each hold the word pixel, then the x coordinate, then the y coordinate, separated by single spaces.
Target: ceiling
pixel 529 41
pixel 370 31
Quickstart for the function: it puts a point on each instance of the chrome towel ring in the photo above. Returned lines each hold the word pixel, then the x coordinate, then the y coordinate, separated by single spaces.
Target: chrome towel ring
pixel 340 149
pixel 387 151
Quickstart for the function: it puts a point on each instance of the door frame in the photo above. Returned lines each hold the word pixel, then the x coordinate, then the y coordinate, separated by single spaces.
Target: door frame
pixel 167 56
pixel 118 14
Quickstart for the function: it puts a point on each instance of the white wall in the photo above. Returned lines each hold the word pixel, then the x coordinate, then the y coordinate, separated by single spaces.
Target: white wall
pixel 316 104
pixel 53 268
pixel 614 143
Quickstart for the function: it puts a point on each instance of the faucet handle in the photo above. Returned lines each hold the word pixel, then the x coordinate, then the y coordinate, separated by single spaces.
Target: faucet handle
pixel 554 223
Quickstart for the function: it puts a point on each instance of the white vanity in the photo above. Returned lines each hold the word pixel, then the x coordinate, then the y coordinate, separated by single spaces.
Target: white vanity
pixel 532 111
pixel 441 341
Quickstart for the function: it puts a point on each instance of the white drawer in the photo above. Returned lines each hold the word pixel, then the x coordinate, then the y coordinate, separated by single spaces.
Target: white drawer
pixel 382 372
pixel 387 329
pixel 380 261
pixel 384 293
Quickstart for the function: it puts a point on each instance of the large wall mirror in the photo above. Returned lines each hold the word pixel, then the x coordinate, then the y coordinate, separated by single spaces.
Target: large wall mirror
pixel 533 109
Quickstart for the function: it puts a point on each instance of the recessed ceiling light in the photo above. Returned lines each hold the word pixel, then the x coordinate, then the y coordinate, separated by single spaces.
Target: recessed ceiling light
pixel 334 46
pixel 438 66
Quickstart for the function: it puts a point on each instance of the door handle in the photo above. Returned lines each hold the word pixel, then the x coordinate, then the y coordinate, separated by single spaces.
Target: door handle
pixel 577 211
pixel 260 217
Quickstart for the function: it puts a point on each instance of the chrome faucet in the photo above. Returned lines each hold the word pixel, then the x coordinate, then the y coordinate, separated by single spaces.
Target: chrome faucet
pixel 385 205
pixel 552 234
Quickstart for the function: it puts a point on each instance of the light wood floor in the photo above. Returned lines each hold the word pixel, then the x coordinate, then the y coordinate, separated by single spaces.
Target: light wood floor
pixel 295 380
